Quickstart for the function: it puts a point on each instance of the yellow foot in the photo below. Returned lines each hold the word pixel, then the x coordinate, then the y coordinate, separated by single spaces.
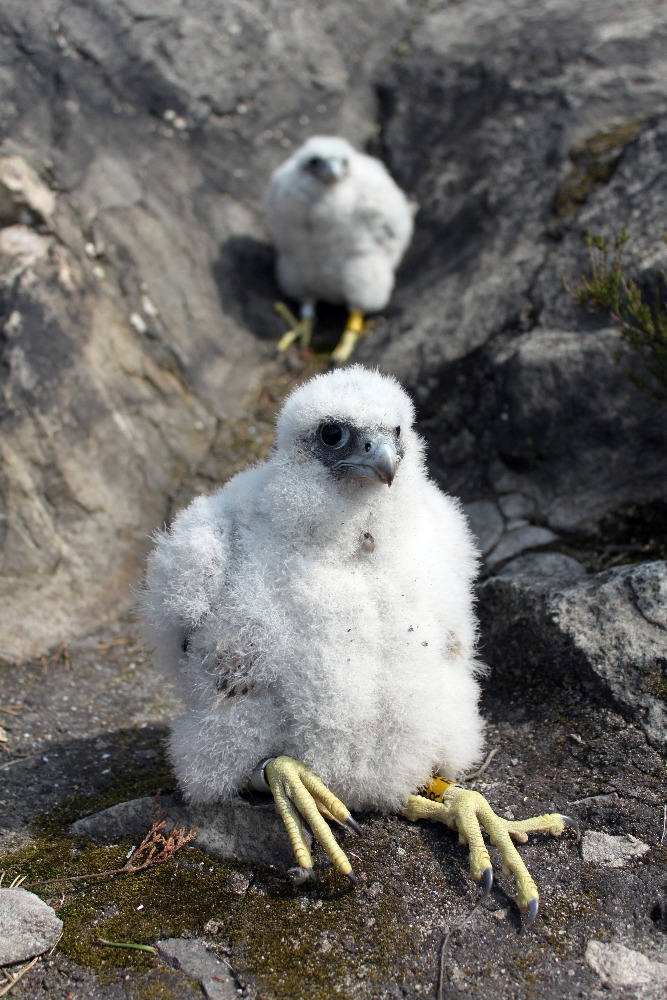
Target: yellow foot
pixel 468 813
pixel 299 329
pixel 298 794
pixel 352 334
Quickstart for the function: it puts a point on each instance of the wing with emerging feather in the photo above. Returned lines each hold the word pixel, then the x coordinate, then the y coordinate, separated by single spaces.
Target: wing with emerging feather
pixel 186 577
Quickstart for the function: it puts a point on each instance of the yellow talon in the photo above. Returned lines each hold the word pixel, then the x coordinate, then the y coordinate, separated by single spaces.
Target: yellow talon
pixel 300 794
pixel 353 332
pixel 299 329
pixel 355 321
pixel 468 813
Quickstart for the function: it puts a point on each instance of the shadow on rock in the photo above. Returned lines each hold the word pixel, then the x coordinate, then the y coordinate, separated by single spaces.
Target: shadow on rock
pixel 243 275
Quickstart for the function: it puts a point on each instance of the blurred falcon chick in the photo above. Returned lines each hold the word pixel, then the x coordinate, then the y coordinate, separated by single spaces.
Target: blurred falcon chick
pixel 340 226
pixel 319 628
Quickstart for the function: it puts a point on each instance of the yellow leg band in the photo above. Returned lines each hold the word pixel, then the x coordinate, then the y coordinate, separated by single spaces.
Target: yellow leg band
pixel 355 321
pixel 435 788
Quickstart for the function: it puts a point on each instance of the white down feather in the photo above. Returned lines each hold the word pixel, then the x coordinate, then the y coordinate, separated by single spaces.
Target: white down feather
pixel 340 242
pixel 359 663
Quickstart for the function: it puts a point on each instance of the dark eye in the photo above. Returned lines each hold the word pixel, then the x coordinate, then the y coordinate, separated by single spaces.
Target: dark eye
pixel 333 435
pixel 397 431
pixel 313 163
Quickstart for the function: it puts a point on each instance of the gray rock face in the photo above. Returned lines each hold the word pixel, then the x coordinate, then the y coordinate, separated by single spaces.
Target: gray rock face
pixel 520 391
pixel 571 415
pixel 610 629
pixel 136 287
pixel 503 97
pixel 543 564
pixel 28 926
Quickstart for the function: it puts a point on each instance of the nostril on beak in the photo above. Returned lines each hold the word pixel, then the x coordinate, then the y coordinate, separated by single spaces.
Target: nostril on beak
pixel 367 446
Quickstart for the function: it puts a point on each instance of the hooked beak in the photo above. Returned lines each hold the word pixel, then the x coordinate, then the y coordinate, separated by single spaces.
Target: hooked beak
pixel 334 171
pixel 327 171
pixel 377 460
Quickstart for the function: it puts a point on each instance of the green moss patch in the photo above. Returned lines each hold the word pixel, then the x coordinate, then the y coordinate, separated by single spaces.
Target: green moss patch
pixel 333 939
pixel 593 163
pixel 180 895
pixel 326 940
pixel 566 910
pixel 656 682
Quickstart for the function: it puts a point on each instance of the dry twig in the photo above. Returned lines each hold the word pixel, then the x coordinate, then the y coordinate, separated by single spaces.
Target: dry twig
pixel 482 769
pixel 102 647
pixel 12 977
pixel 445 942
pixel 19 760
pixel 154 849
pixel 60 655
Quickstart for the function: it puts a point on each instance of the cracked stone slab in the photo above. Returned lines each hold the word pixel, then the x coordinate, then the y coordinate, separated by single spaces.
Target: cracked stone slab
pixel 193 958
pixel 614 852
pixel 516 505
pixel 608 627
pixel 543 564
pixel 243 830
pixel 521 539
pixel 617 965
pixel 28 926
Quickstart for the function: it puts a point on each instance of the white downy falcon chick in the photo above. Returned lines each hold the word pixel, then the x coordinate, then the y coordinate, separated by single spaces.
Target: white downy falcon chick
pixel 319 628
pixel 340 225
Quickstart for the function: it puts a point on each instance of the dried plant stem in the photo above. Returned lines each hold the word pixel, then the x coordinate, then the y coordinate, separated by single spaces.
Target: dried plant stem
pixel 11 978
pixel 19 760
pixel 445 942
pixel 153 850
pixel 482 769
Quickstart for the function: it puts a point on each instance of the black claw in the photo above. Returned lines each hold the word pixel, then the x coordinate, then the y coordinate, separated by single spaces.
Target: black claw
pixel 572 824
pixel 531 912
pixel 353 825
pixel 300 875
pixel 353 878
pixel 487 880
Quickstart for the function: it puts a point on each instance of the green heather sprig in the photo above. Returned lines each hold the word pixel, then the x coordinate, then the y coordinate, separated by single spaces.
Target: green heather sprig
pixel 608 289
